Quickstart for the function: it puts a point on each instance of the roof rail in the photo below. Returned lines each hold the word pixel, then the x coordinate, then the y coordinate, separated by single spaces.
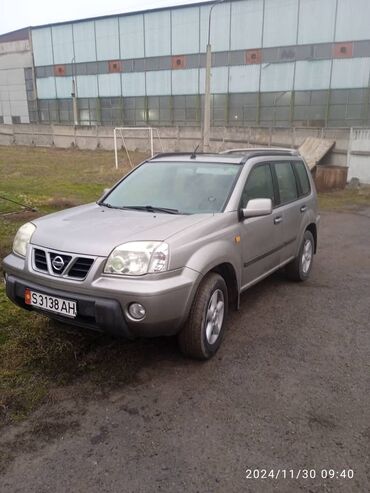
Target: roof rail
pixel 268 153
pixel 169 154
pixel 274 150
pixel 246 153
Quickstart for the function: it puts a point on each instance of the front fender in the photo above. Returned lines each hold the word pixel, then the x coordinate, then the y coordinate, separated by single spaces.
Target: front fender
pixel 218 252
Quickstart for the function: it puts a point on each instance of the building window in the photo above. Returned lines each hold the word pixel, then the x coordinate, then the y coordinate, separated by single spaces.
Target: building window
pixel 88 111
pixel 186 110
pixel 1 119
pixel 16 119
pixel 111 111
pixel 159 110
pixel 243 109
pixel 65 108
pixel 135 111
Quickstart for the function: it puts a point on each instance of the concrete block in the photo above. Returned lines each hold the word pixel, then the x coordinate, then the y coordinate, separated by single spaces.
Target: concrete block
pixel 86 143
pixel 6 134
pixel 23 139
pixel 63 130
pixel 43 140
pixel 64 141
pixel 6 139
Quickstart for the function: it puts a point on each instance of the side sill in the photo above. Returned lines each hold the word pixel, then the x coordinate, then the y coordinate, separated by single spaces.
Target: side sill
pixel 263 276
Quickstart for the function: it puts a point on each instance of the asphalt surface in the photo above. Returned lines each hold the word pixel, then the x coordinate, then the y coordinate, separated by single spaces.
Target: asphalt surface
pixel 288 390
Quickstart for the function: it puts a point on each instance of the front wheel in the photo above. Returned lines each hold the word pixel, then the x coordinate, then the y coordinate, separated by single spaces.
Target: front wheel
pixel 299 269
pixel 203 332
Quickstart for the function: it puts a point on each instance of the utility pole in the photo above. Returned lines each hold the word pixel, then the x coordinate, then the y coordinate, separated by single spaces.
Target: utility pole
pixel 74 95
pixel 207 92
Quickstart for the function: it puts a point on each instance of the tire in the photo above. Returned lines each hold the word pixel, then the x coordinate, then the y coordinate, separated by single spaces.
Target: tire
pixel 300 268
pixel 204 330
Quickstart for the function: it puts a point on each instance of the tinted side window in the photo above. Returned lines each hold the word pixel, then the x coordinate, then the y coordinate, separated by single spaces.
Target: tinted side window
pixel 286 182
pixel 259 185
pixel 303 178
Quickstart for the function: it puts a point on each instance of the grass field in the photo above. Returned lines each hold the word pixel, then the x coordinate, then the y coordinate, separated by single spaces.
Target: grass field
pixel 35 357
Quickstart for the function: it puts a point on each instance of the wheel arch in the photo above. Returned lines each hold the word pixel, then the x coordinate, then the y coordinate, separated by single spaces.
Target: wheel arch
pixel 312 228
pixel 227 271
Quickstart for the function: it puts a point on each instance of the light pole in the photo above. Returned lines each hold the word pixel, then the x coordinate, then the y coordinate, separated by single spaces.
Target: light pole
pixel 74 93
pixel 207 92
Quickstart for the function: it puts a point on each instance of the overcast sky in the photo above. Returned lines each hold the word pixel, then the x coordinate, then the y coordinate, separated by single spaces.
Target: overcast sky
pixel 15 14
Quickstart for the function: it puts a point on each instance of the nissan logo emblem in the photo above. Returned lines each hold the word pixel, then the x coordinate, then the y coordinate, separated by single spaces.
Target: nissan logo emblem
pixel 58 263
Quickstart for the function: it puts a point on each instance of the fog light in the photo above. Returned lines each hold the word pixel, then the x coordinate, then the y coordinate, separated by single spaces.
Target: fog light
pixel 137 311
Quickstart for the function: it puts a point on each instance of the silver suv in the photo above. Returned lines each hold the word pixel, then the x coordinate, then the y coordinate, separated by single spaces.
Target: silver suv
pixel 171 246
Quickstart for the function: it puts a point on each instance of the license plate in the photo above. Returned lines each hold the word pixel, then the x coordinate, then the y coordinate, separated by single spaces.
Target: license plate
pixel 53 304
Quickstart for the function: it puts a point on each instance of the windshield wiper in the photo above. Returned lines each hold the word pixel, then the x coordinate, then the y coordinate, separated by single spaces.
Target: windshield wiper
pixel 105 204
pixel 150 208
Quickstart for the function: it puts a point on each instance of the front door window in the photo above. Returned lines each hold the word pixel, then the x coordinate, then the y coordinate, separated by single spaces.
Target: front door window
pixel 259 185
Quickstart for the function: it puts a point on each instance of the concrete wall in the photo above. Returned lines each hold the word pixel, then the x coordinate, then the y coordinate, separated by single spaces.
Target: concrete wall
pixel 172 138
pixel 187 138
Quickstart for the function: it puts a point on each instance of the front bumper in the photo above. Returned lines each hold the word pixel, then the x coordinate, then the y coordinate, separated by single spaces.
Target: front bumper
pixel 102 301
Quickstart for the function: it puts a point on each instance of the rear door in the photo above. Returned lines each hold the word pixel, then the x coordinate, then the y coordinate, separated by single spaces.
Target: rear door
pixel 291 206
pixel 262 237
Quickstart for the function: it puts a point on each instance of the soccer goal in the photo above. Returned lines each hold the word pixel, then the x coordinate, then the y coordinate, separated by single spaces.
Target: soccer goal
pixel 121 134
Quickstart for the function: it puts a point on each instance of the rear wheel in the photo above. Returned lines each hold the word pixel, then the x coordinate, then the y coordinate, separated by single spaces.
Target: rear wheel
pixel 299 269
pixel 203 332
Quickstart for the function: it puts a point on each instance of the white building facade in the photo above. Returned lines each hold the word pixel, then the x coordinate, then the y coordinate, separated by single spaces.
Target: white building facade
pixel 275 63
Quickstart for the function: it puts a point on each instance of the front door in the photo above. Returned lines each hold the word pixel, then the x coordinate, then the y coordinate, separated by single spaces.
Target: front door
pixel 262 237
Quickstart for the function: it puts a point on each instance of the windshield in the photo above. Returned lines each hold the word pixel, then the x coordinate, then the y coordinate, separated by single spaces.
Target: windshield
pixel 176 187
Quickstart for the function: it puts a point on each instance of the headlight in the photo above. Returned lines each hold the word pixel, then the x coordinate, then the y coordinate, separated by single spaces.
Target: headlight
pixel 137 258
pixel 22 238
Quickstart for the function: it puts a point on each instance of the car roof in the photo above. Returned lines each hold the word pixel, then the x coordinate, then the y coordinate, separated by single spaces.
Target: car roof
pixel 230 156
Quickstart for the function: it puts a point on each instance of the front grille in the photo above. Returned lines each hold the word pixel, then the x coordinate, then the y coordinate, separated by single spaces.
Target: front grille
pixel 80 268
pixel 40 260
pixel 61 265
pixel 59 262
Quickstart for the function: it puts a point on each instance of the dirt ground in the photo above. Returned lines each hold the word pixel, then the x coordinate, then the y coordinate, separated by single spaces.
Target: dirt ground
pixel 289 389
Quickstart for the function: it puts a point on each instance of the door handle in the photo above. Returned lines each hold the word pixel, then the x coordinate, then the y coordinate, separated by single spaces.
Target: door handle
pixel 303 208
pixel 278 220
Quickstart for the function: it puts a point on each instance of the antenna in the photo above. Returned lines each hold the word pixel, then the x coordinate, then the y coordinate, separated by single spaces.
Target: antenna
pixel 193 156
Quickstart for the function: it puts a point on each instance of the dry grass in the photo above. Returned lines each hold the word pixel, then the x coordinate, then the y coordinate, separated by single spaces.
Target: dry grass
pixel 46 178
pixel 345 199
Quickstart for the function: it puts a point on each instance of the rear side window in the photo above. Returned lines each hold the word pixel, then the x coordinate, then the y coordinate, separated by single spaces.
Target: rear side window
pixel 303 178
pixel 259 185
pixel 286 182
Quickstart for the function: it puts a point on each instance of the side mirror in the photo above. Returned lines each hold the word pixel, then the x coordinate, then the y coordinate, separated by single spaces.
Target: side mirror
pixel 257 207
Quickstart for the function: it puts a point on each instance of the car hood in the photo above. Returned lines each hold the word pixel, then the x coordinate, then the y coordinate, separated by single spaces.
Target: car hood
pixel 95 230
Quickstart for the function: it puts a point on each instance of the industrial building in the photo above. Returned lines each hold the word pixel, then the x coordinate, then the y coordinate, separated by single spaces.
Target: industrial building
pixel 278 63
